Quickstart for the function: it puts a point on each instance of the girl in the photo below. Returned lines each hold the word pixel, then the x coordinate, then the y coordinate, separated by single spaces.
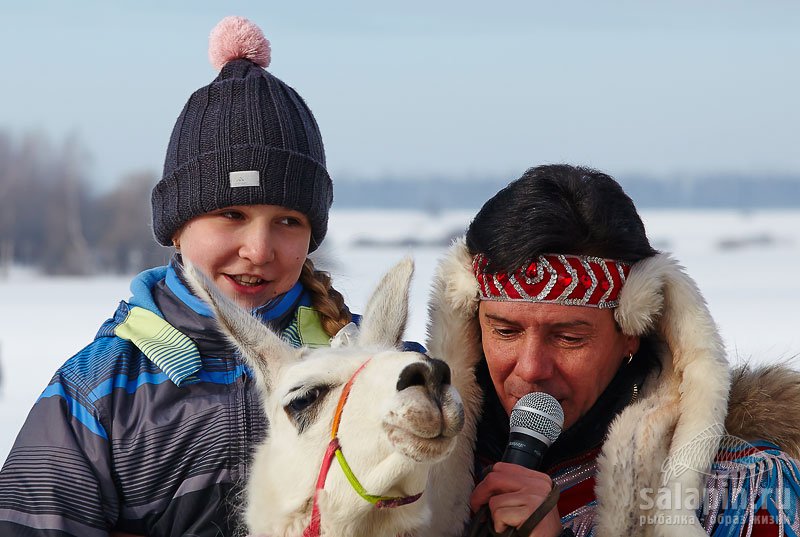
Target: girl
pixel 148 430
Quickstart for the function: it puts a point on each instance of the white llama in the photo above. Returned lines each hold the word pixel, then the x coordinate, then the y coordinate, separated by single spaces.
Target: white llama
pixel 402 429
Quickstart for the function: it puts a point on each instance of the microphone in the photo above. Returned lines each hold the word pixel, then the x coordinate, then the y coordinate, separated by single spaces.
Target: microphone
pixel 536 421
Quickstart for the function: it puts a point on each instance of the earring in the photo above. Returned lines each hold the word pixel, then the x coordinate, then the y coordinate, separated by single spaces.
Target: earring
pixel 635 393
pixel 630 357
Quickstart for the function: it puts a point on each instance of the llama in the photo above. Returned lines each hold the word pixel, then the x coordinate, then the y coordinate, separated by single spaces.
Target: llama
pixel 405 437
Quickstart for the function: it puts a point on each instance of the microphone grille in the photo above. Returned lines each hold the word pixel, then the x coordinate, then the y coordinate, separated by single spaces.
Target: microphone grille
pixel 539 412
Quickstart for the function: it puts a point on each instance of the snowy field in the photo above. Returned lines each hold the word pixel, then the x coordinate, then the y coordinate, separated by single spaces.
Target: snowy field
pixel 745 263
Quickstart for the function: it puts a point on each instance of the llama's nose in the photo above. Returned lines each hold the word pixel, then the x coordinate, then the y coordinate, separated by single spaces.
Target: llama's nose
pixel 432 373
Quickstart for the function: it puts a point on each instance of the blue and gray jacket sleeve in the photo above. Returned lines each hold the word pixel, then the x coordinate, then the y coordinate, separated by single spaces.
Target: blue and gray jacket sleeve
pixel 57 480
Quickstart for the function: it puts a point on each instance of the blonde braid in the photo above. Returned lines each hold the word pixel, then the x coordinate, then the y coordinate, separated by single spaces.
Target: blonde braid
pixel 327 301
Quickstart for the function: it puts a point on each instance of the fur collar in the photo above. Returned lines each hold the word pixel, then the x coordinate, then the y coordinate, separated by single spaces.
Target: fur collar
pixel 688 400
pixel 764 404
pixel 645 444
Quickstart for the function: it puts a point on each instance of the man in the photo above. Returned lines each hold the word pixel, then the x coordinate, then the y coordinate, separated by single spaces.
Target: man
pixel 556 289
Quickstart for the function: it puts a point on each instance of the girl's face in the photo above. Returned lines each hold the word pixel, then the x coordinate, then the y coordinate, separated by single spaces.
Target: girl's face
pixel 251 252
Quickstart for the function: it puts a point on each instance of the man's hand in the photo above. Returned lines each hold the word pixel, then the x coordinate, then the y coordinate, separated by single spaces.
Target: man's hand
pixel 513 493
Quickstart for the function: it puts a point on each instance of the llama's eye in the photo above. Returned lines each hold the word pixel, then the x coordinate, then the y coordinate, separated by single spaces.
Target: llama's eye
pixel 303 404
pixel 298 404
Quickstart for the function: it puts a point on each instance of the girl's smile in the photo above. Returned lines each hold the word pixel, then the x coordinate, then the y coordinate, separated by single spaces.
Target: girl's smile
pixel 251 252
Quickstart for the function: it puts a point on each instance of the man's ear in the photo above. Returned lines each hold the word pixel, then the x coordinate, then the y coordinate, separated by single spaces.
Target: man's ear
pixel 632 344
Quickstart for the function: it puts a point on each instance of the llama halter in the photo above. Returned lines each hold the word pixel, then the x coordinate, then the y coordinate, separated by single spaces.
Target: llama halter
pixel 335 450
pixel 571 280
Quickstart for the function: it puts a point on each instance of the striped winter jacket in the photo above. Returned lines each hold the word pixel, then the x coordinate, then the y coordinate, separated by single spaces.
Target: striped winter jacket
pixel 139 432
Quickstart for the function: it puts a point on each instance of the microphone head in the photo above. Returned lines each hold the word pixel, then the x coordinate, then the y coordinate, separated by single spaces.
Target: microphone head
pixel 538 414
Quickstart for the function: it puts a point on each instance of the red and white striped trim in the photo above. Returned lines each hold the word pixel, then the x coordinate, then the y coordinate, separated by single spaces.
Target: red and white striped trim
pixel 571 280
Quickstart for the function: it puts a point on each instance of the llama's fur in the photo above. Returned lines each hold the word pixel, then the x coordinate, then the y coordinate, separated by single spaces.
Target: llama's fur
pixel 398 442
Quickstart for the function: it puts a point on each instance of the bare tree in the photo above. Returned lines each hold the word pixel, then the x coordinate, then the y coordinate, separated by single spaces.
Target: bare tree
pixel 120 229
pixel 7 205
pixel 27 197
pixel 63 248
pixel 78 260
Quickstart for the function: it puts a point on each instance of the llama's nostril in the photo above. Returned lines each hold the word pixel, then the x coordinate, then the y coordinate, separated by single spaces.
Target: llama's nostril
pixel 440 372
pixel 412 375
pixel 432 373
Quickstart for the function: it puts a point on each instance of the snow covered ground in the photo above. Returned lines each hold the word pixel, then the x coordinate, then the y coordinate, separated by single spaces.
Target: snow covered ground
pixel 745 263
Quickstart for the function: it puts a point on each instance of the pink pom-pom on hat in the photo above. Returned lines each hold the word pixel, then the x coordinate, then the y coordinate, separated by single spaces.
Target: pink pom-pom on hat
pixel 236 37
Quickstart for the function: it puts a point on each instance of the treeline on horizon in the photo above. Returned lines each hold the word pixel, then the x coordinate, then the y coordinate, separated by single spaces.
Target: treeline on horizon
pixel 52 219
pixel 720 191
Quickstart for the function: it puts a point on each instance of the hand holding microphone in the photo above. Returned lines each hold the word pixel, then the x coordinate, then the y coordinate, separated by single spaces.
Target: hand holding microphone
pixel 511 493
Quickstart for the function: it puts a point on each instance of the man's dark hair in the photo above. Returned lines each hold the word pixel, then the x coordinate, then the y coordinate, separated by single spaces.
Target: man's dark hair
pixel 558 209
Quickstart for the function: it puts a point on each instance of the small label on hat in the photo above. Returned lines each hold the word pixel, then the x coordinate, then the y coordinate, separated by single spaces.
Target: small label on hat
pixel 246 178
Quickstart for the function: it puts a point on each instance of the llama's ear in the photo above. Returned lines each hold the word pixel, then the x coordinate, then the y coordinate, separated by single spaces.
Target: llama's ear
pixel 387 310
pixel 261 348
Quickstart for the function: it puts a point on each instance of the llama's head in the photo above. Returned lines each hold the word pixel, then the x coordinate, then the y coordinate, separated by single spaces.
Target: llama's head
pixel 401 416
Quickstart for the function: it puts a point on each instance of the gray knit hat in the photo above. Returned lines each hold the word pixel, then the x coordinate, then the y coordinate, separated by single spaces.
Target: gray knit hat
pixel 247 138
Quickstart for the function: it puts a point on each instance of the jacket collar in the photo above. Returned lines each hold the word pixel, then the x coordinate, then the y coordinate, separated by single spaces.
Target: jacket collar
pixel 176 354
pixel 173 352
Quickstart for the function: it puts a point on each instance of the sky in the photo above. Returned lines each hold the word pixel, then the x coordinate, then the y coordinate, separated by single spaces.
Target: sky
pixel 422 88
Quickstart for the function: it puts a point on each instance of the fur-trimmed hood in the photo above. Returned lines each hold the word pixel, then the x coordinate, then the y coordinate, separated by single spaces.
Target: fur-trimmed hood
pixel 689 398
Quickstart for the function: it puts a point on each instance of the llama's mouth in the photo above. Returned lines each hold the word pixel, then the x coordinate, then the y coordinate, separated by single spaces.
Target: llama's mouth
pixel 419 448
pixel 422 428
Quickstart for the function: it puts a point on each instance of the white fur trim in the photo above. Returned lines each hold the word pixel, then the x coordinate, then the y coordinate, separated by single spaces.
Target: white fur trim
pixel 641 298
pixel 691 397
pixel 454 336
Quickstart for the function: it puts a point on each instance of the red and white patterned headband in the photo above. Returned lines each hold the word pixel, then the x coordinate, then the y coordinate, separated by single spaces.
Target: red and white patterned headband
pixel 572 280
